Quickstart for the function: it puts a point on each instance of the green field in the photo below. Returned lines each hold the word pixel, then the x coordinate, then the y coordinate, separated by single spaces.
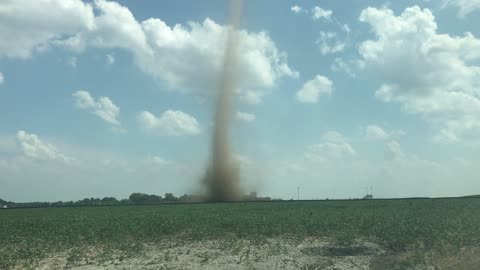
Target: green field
pixel 30 234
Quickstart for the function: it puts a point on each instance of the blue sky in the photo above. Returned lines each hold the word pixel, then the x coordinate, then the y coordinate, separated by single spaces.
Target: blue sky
pixel 104 98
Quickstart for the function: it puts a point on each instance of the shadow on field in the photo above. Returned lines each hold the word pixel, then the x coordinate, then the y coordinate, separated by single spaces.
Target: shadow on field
pixel 467 258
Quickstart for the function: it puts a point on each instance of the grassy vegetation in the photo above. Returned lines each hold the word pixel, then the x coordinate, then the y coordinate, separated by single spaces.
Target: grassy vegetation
pixel 29 234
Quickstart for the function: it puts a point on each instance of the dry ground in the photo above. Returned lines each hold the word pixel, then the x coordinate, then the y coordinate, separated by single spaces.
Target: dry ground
pixel 277 253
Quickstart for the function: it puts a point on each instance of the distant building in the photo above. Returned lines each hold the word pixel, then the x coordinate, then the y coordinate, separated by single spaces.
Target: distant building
pixel 253 196
pixel 368 197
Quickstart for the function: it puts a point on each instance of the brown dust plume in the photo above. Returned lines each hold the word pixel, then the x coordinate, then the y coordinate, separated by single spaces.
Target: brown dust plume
pixel 222 178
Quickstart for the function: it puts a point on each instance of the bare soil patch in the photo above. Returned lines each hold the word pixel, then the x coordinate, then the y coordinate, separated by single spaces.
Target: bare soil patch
pixel 275 253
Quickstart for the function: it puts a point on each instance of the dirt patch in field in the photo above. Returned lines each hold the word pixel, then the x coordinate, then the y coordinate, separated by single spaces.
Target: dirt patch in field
pixel 364 249
pixel 278 253
pixel 466 258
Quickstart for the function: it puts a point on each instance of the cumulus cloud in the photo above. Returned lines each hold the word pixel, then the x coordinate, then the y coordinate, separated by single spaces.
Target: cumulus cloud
pixel 246 117
pixel 313 89
pixel 465 7
pixel 29 26
pixel 34 148
pixel 377 133
pixel 2 78
pixel 184 57
pixel 394 151
pixel 109 59
pixel 180 50
pixel 329 44
pixel 296 9
pixel 374 132
pixel 169 123
pixel 320 13
pixel 103 107
pixel 157 160
pixel 251 97
pixel 429 74
pixel 334 146
pixel 339 64
pixel 114 27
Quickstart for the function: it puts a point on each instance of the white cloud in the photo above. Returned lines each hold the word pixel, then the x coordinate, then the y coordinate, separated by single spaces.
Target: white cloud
pixel 398 133
pixel 114 27
pixel 251 97
pixel 178 50
pixel 333 146
pixel 110 59
pixel 296 9
pixel 340 65
pixel 374 132
pixel 160 160
pixel 170 123
pixel 28 26
pixel 432 75
pixel 2 78
pixel 103 107
pixel 34 148
pixel 465 7
pixel 320 13
pixel 329 43
pixel 172 55
pixel 246 117
pixel 394 151
pixel 313 89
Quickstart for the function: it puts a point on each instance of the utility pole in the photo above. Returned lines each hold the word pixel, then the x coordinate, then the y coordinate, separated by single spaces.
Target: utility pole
pixel 298 193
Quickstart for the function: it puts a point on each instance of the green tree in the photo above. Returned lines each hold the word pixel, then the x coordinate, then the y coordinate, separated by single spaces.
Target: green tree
pixel 169 197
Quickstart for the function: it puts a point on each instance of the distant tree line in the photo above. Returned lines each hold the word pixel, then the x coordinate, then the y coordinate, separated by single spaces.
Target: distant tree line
pixel 133 199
